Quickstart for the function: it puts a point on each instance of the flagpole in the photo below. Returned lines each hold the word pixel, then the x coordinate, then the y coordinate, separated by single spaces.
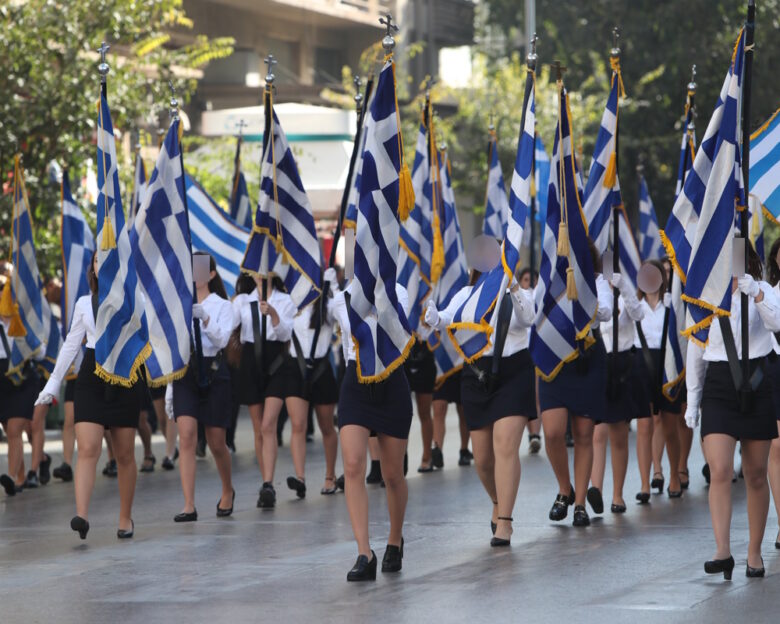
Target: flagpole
pixel 531 62
pixel 202 381
pixel 103 69
pixel 268 113
pixel 615 54
pixel 236 161
pixel 746 89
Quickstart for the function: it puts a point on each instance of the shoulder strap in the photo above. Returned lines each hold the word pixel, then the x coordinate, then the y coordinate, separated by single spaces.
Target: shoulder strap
pixel 258 341
pixel 647 357
pixel 731 351
pixel 299 357
pixel 502 330
pixel 95 307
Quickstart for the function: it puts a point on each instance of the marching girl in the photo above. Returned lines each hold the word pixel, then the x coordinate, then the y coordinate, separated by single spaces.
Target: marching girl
pixel 614 422
pixel 449 392
pixel 193 404
pixel 497 408
pixel 528 279
pixel 320 389
pixel 98 406
pixel 420 369
pixel 711 389
pixel 267 382
pixel 378 410
pixel 649 395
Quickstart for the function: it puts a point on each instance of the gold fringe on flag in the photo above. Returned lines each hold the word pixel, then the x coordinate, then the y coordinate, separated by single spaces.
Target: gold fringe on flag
pixel 610 175
pixel 405 192
pixel 563 239
pixel 571 285
pixel 9 308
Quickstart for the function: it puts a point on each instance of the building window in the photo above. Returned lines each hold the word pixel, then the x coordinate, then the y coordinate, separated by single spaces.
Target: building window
pixel 328 64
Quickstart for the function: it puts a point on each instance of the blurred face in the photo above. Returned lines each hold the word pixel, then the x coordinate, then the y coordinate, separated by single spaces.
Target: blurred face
pixel 668 269
pixel 525 281
pixel 95 264
pixel 777 258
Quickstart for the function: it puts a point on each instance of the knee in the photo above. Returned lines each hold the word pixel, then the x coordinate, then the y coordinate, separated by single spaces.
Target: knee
pixel 721 472
pixel 394 480
pixel 754 479
pixel 268 428
pixel 354 466
pixel 89 451
pixel 124 457
pixel 298 426
pixel 188 438
pixel 583 436
pixel 485 463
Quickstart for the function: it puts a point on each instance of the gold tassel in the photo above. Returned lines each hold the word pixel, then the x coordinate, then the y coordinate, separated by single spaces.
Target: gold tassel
pixel 610 175
pixel 563 240
pixel 108 240
pixel 533 187
pixel 7 300
pixel 405 193
pixel 571 285
pixel 437 261
pixel 16 327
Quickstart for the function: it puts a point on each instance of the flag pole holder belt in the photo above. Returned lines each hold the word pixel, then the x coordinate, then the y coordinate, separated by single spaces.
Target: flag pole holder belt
pixel 745 390
pixel 489 379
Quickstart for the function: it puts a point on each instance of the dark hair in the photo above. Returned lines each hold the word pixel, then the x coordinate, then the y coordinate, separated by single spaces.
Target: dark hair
pixel 316 312
pixel 658 264
pixel 754 265
pixel 474 277
pixel 773 271
pixel 245 284
pixel 92 279
pixel 278 284
pixel 216 285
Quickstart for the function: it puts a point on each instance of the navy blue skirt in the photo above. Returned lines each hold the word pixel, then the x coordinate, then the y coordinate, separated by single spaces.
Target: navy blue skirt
pixel 620 405
pixel 18 401
pixel 420 369
pixel 99 402
pixel 449 390
pixel 643 387
pixel 580 386
pixel 773 372
pixel 209 405
pixel 384 407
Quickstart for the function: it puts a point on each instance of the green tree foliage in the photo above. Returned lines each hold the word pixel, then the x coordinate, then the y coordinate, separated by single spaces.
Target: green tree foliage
pixel 50 85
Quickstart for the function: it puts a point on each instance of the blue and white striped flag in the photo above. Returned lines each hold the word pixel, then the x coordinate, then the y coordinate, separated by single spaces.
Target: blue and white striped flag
pixel 765 166
pixel 214 232
pixel 713 189
pixel 122 334
pixel 541 182
pixel 496 202
pixel 240 206
pixel 416 238
pixel 284 238
pixel 378 322
pixel 160 240
pixel 139 188
pixel 350 214
pixel 562 324
pixel 650 245
pixel 756 225
pixel 474 322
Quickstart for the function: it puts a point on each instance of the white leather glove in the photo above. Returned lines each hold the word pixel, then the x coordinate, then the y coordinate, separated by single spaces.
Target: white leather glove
pixel 692 417
pixel 748 286
pixel 331 278
pixel 617 280
pixel 667 300
pixel 431 314
pixel 199 312
pixel 44 398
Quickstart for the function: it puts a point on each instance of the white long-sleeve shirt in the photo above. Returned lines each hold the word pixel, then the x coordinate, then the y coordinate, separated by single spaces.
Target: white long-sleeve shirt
pixel 305 333
pixel 3 354
pixel 341 315
pixel 604 295
pixel 652 324
pixel 630 312
pixel 284 307
pixel 222 322
pixel 763 319
pixel 522 318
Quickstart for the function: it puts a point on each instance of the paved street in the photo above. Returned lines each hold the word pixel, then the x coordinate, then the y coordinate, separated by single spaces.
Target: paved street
pixel 289 564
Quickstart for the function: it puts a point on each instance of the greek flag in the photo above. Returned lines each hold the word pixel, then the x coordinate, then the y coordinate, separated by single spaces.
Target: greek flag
pixel 379 326
pixel 496 202
pixel 284 239
pixel 473 323
pixel 756 225
pixel 122 334
pixel 240 206
pixel 566 299
pixel 350 215
pixel 160 240
pixel 676 346
pixel 541 182
pixel 650 244
pixel 454 277
pixel 213 231
pixel 416 239
pixel 765 166
pixel 712 190
pixel 139 188
pixel 78 245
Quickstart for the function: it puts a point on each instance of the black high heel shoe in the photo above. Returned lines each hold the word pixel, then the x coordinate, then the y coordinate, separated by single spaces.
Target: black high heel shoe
pixel 122 534
pixel 500 541
pixel 716 566
pixel 685 484
pixel 493 525
pixel 560 507
pixel 224 513
pixel 80 525
pixel 393 558
pixel 618 508
pixel 673 494
pixel 657 483
pixel 751 572
pixel 643 497
pixel 363 570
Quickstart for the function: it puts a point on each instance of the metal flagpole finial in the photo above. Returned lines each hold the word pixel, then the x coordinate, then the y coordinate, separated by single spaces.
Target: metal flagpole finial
pixel 491 126
pixel 270 61
pixel 358 95
pixel 388 43
pixel 692 83
pixel 241 125
pixel 103 67
pixel 559 70
pixel 174 102
pixel 615 52
pixel 532 58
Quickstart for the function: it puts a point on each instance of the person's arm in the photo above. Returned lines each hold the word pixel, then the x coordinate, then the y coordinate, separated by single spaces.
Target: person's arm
pixel 695 367
pixel 219 329
pixel 768 306
pixel 285 319
pixel 605 296
pixel 522 308
pixel 67 354
pixel 447 314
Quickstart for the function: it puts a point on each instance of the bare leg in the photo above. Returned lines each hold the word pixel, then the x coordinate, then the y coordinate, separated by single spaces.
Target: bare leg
pixel 482 444
pixel 774 475
pixel 124 449
pixel 256 414
pixel 618 445
pixel 330 441
pixel 669 423
pixel 554 423
pixel 644 452
pixel 188 440
pixel 535 427
pixel 426 425
pixel 393 450
pixel 658 445
pixel 582 430
pixel 13 430
pixel 720 455
pixel 507 436
pixel 215 438
pixel 109 445
pixel 464 429
pixel 297 410
pixel 145 433
pixel 271 409
pixel 600 435
pixel 685 436
pixel 439 422
pixel 89 438
pixel 38 435
pixel 68 434
pixel 354 440
pixel 755 457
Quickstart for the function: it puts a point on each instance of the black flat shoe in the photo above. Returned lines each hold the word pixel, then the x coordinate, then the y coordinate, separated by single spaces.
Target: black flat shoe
pixel 393 558
pixel 685 484
pixel 148 464
pixel 186 516
pixel 498 542
pixel 64 472
pixel 31 482
pixel 560 508
pixel 581 518
pixel 643 497
pixel 534 443
pixel 8 485
pixel 595 500
pixel 705 472
pixel 328 491
pixel 110 470
pixel 716 566
pixel 80 525
pixel 673 494
pixel 755 572
pixel 267 498
pixel 465 458
pixel 437 457
pixel 340 483
pixel 224 513
pixel 44 474
pixel 657 484
pixel 618 509
pixel 122 534
pixel 297 485
pixel 167 463
pixel 423 468
pixel 375 474
pixel 363 570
